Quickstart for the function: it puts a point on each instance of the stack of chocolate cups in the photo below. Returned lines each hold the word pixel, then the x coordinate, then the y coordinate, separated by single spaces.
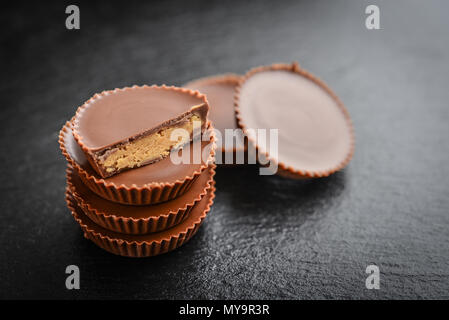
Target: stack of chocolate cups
pixel 132 199
pixel 154 207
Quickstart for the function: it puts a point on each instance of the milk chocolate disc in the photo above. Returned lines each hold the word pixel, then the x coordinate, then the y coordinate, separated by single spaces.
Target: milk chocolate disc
pixel 314 128
pixel 143 245
pixel 138 219
pixel 219 91
pixel 158 182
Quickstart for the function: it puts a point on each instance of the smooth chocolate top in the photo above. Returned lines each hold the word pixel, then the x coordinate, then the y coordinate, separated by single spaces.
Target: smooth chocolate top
pixel 163 171
pixel 137 212
pixel 314 132
pixel 193 217
pixel 220 91
pixel 125 113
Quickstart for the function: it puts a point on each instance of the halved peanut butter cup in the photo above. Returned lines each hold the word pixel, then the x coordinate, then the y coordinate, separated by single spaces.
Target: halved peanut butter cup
pixel 131 127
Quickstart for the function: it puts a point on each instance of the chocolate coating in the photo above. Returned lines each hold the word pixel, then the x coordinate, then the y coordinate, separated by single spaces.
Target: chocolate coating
pixel 315 133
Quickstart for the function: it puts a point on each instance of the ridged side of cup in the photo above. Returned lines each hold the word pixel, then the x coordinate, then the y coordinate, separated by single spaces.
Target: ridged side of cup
pixel 136 226
pixel 139 249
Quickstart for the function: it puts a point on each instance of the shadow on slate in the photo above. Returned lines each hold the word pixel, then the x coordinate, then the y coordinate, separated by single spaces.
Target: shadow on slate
pixel 250 191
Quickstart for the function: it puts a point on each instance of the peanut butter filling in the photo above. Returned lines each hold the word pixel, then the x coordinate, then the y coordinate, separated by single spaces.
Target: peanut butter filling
pixel 149 148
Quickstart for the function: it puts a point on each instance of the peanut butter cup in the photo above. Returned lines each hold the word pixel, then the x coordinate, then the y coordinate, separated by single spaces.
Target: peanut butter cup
pixel 161 181
pixel 131 127
pixel 315 135
pixel 131 219
pixel 220 92
pixel 143 245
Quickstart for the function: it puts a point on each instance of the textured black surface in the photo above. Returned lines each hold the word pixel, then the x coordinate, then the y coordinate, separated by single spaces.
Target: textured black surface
pixel 266 237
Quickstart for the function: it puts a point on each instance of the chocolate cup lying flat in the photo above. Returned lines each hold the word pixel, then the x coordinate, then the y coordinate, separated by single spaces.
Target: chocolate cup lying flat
pixel 138 219
pixel 143 245
pixel 315 131
pixel 158 182
pixel 220 92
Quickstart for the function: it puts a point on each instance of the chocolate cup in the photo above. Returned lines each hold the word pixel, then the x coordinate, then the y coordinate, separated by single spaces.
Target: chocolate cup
pixel 138 219
pixel 158 182
pixel 289 170
pixel 132 112
pixel 143 245
pixel 220 92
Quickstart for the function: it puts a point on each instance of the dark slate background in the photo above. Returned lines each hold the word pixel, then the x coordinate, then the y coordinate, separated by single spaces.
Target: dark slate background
pixel 266 237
